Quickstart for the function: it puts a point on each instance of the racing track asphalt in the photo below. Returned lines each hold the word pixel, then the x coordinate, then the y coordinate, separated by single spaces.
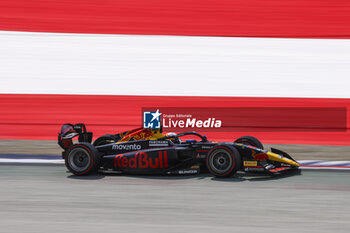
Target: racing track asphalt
pixel 49 199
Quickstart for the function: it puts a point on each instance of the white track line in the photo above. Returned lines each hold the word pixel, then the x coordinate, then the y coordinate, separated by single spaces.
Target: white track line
pixel 33 161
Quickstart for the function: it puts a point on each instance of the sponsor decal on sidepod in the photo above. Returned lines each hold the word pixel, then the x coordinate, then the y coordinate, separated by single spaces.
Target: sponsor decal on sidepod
pixel 126 147
pixel 158 143
pixel 142 160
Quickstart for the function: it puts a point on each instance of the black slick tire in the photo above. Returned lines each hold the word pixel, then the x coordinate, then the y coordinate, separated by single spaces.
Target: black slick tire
pixel 223 161
pixel 82 159
pixel 250 140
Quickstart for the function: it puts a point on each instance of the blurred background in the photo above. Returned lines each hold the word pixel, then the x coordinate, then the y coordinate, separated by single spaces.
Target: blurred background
pixel 100 62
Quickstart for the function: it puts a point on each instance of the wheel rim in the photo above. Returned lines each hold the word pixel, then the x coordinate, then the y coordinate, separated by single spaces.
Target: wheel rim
pixel 220 161
pixel 79 159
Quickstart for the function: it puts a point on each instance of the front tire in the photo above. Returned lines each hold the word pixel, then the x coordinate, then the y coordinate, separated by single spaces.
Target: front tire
pixel 250 140
pixel 223 161
pixel 82 159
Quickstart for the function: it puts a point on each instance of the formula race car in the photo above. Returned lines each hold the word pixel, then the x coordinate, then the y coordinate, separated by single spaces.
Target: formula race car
pixel 147 151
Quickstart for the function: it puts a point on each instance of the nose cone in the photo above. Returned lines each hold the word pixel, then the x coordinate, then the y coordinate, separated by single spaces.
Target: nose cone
pixel 279 158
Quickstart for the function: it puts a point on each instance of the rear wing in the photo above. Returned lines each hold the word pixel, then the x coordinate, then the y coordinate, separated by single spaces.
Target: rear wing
pixel 70 131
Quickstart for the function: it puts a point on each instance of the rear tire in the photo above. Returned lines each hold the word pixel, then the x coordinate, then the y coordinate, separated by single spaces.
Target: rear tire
pixel 250 140
pixel 223 161
pixel 104 140
pixel 82 159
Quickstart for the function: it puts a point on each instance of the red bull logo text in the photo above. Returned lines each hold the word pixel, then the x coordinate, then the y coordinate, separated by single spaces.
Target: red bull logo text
pixel 142 160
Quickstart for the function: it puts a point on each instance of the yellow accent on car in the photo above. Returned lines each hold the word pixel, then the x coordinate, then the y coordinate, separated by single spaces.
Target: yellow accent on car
pixel 282 159
pixel 250 163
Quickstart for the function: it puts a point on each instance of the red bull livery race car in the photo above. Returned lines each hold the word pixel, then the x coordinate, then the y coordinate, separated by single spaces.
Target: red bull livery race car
pixel 148 151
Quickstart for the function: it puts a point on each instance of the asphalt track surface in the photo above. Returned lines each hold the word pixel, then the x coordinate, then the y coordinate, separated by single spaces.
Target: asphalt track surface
pixel 49 199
